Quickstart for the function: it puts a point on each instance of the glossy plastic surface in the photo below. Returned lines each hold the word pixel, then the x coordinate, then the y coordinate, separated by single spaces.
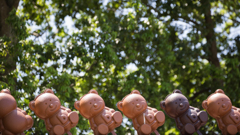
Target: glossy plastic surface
pixel 103 120
pixel 188 119
pixel 145 119
pixel 219 106
pixel 58 119
pixel 13 120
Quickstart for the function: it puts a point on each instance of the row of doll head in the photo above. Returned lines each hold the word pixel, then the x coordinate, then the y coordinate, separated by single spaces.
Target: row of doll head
pixel 217 104
pixel 60 120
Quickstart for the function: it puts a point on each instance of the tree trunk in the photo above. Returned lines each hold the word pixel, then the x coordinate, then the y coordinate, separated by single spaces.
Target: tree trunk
pixel 6 7
pixel 211 38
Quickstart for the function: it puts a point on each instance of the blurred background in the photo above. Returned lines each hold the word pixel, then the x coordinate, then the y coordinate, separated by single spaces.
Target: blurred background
pixel 154 46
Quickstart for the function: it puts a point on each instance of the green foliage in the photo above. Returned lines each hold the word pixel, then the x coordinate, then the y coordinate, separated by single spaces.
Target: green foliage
pixel 170 42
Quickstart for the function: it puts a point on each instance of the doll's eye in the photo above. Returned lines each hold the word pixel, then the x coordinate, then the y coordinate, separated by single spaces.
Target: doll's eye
pixel 45 103
pixel 94 99
pixel 90 102
pixel 132 103
pixel 218 103
pixel 180 99
pixel 50 100
pixel 175 102
pixel 137 100
pixel 222 99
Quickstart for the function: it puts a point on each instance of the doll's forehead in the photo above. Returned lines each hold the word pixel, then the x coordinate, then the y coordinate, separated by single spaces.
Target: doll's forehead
pixel 217 96
pixel 133 97
pixel 46 96
pixel 175 96
pixel 90 96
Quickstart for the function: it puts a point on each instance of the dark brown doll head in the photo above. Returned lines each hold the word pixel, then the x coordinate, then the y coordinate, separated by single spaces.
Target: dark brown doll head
pixel 175 104
pixel 45 104
pixel 217 104
pixel 90 104
pixel 133 104
pixel 7 102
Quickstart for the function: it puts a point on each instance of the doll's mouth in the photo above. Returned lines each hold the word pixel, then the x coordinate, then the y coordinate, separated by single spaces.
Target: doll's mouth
pixel 53 108
pixel 98 107
pixel 183 107
pixel 226 108
pixel 139 108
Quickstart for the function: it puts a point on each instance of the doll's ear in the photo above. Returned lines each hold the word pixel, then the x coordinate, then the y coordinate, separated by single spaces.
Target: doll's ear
pixel 93 91
pixel 177 91
pixel 32 105
pixel 6 91
pixel 49 91
pixel 219 91
pixel 162 105
pixel 135 92
pixel 119 105
pixel 204 104
pixel 77 105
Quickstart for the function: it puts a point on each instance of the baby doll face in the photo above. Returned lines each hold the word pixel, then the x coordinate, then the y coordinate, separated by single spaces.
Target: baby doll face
pixel 45 105
pixel 133 104
pixel 175 104
pixel 7 103
pixel 217 104
pixel 90 104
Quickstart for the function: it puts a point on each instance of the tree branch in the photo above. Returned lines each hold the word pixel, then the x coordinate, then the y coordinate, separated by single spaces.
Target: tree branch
pixel 198 93
pixel 187 19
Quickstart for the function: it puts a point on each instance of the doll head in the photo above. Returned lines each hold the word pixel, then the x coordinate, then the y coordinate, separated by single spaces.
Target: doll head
pixel 175 104
pixel 45 104
pixel 90 104
pixel 217 104
pixel 7 102
pixel 133 104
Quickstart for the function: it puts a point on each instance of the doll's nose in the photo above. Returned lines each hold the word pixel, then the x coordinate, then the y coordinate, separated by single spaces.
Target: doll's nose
pixel 51 105
pixel 181 104
pixel 95 104
pixel 223 105
pixel 137 105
